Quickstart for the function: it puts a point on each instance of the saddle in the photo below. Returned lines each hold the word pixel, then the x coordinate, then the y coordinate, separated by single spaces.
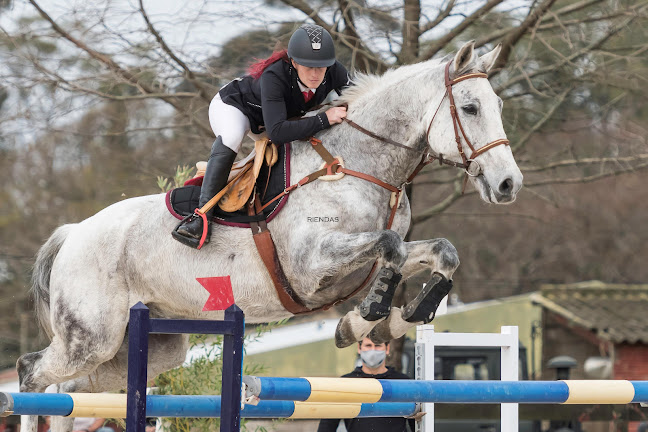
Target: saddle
pixel 244 175
pixel 270 181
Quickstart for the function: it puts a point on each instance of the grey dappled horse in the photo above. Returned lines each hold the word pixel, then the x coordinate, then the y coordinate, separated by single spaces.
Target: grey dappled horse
pixel 88 275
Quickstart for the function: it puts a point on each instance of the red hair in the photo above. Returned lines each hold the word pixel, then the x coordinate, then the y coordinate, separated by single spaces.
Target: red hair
pixel 257 68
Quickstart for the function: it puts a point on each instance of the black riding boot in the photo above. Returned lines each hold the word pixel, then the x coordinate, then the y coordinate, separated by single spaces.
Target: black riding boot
pixel 219 165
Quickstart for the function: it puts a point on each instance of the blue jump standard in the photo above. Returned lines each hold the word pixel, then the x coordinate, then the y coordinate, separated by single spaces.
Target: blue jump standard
pixel 141 325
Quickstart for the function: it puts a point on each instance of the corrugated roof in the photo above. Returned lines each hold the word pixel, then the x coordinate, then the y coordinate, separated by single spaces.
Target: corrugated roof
pixel 615 312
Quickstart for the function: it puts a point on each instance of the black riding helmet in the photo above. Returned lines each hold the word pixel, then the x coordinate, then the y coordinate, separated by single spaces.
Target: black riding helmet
pixel 312 46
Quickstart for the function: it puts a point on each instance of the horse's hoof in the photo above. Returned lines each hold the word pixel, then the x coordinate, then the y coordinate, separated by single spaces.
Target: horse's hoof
pixel 344 335
pixel 424 306
pixel 377 304
pixel 380 334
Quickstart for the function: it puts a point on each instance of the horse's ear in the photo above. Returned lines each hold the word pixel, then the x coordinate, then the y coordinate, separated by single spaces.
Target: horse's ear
pixel 464 58
pixel 488 60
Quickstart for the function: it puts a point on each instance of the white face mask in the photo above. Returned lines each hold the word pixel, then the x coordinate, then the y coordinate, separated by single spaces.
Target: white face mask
pixel 373 358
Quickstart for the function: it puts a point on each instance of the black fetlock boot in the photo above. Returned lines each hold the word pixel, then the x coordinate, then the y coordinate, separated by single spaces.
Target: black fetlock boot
pixel 220 162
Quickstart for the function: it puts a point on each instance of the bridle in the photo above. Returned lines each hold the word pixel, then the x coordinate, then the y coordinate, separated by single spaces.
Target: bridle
pixel 467 163
pixel 456 123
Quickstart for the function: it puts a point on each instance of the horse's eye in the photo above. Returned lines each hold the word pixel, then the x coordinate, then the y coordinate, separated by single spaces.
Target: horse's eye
pixel 470 109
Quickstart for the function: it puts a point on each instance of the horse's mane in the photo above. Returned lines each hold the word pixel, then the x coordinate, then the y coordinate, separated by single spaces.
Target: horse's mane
pixel 365 84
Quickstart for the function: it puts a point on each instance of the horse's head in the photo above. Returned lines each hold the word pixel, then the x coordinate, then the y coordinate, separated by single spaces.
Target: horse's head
pixel 470 130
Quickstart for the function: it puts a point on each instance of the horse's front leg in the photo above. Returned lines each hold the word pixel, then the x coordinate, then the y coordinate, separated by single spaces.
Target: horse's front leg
pixel 438 256
pixel 343 253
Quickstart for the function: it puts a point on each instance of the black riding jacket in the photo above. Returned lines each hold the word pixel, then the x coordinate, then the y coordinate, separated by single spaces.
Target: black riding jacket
pixel 277 91
pixel 373 424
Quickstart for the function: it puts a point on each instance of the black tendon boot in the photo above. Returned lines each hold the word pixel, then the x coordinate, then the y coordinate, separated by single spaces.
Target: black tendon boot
pixel 219 165
pixel 377 304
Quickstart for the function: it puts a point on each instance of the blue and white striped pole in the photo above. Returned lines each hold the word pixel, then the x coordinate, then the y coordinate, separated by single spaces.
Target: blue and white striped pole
pixel 368 390
pixel 114 406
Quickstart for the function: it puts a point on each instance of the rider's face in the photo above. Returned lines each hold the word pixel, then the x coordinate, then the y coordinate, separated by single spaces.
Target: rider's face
pixel 310 76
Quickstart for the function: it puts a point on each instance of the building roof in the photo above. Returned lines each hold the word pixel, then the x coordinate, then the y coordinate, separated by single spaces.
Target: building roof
pixel 614 312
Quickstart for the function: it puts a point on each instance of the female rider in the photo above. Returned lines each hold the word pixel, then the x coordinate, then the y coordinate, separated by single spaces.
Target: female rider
pixel 285 85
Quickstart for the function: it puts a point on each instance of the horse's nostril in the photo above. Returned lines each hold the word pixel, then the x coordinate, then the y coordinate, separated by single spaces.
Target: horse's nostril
pixel 506 187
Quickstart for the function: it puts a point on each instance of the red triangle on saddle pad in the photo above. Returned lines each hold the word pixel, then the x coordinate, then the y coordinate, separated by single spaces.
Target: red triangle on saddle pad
pixel 220 292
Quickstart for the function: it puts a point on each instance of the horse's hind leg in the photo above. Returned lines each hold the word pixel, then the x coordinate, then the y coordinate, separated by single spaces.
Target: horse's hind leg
pixel 63 361
pixel 25 365
pixel 54 364
pixel 166 351
pixel 82 340
pixel 438 256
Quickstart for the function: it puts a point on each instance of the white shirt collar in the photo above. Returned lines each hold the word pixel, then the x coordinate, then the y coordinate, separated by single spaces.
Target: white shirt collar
pixel 303 88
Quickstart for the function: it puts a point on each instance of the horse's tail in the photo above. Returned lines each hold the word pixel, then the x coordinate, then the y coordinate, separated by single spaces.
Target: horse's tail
pixel 41 276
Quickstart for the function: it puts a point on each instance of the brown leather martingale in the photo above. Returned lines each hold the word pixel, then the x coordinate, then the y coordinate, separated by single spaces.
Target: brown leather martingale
pixel 287 295
pixel 268 252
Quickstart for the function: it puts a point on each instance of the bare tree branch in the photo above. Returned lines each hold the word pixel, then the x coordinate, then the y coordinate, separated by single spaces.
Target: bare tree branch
pixel 202 90
pixel 113 66
pixel 443 14
pixel 588 179
pixel 112 134
pixel 68 85
pixel 411 31
pixel 513 37
pixel 549 114
pixel 438 45
pixel 580 21
pixel 362 54
pixel 438 208
pixel 577 6
pixel 564 11
pixel 309 11
pixel 583 51
pixel 584 161
pixel 454 196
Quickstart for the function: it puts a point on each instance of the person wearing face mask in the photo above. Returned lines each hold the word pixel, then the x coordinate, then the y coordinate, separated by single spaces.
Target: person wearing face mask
pixel 373 357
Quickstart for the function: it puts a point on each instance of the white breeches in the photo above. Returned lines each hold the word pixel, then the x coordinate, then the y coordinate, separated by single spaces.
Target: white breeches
pixel 230 123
